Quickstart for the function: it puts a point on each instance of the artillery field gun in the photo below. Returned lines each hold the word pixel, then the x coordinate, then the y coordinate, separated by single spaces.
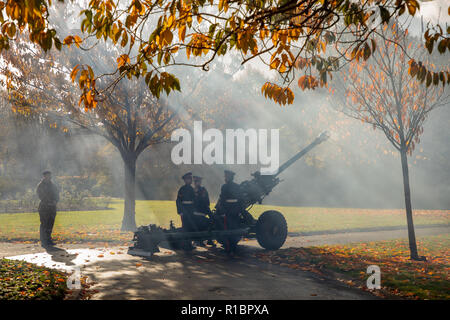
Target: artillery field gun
pixel 270 229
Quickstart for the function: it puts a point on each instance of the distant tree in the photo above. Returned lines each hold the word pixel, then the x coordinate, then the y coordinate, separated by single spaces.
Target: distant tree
pixel 5 136
pixel 130 117
pixel 380 92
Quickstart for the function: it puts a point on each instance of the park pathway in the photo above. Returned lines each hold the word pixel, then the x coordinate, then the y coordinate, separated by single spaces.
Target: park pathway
pixel 204 273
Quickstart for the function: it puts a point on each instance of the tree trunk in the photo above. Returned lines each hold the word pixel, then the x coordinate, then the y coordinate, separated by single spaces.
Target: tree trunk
pixel 409 216
pixel 129 220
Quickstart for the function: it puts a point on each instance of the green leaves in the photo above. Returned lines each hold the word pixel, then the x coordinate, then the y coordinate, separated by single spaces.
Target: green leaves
pixel 384 14
pixel 159 82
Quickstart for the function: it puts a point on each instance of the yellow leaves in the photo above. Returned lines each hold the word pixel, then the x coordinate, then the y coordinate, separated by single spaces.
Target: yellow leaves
pixel 322 46
pixel 275 38
pixel 31 16
pixel 74 72
pixel 165 38
pixel 86 82
pixel 122 60
pixel 275 63
pixel 308 82
pixel 116 31
pixel 138 264
pixel 138 7
pixel 124 41
pixel 182 33
pixel 77 41
pixel 170 21
pixel 278 94
pixel 10 29
pixel 199 44
pixel 286 61
pixel 223 5
pixel 264 33
pixel 232 24
pixel 188 52
pixel 294 33
pixel 89 97
pixel 71 40
pixel 413 6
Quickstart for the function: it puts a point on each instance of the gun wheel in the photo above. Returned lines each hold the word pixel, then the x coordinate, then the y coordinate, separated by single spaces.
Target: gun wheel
pixel 271 230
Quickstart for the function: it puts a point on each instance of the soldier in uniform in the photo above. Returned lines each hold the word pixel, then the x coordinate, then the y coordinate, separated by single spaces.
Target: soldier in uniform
pixel 202 208
pixel 185 206
pixel 229 206
pixel 49 196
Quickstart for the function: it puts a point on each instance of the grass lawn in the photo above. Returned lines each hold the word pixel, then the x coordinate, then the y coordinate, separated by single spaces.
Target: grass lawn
pixel 104 225
pixel 21 280
pixel 399 275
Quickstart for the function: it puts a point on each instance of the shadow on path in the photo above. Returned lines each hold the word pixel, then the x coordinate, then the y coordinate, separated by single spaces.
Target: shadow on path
pixel 209 274
pixel 61 255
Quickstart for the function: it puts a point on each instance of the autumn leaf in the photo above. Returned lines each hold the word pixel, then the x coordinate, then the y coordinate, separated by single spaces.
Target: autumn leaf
pixel 122 60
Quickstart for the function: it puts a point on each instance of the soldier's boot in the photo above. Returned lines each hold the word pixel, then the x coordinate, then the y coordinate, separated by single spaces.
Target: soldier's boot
pixel 187 246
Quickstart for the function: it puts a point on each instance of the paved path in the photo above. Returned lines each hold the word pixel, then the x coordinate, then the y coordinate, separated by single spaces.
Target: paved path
pixel 203 274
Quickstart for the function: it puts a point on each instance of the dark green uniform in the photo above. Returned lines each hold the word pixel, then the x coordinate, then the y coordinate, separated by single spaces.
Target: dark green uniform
pixel 185 206
pixel 202 200
pixel 229 206
pixel 49 196
pixel 202 208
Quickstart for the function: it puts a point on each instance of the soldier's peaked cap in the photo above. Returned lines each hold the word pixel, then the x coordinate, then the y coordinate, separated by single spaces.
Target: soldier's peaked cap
pixel 46 172
pixel 186 175
pixel 197 178
pixel 229 173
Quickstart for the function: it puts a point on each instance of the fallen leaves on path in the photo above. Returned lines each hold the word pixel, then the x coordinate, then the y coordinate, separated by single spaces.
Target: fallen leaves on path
pixel 23 281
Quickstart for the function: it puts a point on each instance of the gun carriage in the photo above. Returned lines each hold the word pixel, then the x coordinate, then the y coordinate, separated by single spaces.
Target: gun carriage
pixel 270 229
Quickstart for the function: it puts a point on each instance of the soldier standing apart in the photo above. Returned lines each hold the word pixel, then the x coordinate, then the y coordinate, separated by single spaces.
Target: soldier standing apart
pixel 201 208
pixel 185 207
pixel 229 205
pixel 49 196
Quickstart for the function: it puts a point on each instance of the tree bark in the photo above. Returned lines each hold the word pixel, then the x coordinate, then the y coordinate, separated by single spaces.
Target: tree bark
pixel 129 214
pixel 409 216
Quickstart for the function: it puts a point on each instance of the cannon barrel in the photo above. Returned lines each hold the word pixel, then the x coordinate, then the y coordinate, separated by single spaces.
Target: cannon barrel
pixel 253 191
pixel 321 138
